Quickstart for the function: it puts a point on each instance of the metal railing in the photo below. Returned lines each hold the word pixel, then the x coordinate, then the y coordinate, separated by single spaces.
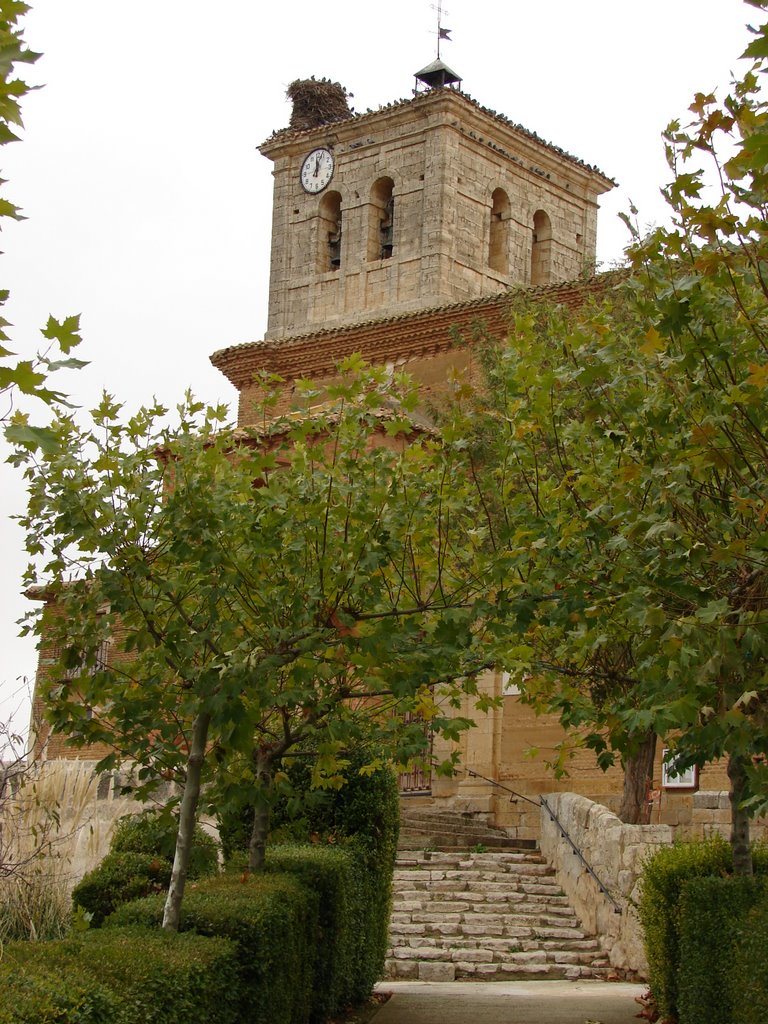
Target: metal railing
pixel 541 802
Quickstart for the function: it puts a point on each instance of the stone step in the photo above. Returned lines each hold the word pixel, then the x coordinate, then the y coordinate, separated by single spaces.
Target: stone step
pixel 485 916
pixel 437 839
pixel 509 943
pixel 484 954
pixel 469 858
pixel 440 891
pixel 482 885
pixel 498 863
pixel 444 970
pixel 520 925
pixel 421 828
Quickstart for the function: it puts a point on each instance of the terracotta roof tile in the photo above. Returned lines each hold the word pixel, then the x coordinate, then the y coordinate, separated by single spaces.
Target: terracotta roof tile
pixel 394 339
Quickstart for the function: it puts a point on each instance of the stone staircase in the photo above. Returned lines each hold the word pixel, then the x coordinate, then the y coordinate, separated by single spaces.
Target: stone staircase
pixel 423 828
pixel 494 916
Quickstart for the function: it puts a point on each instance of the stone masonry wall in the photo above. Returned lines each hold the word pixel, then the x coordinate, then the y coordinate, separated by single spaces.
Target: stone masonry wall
pixel 87 806
pixel 616 852
pixel 445 157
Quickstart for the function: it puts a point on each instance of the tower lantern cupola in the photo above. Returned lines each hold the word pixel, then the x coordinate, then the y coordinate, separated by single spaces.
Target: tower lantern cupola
pixel 437 75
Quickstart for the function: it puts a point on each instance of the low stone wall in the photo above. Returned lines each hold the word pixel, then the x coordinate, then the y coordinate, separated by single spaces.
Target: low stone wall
pixel 64 803
pixel 615 852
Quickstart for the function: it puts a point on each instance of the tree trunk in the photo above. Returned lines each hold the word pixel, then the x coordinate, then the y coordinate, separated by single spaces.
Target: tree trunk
pixel 187 821
pixel 638 781
pixel 742 855
pixel 257 847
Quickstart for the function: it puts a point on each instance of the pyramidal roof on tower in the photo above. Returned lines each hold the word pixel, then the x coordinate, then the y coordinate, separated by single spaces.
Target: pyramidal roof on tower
pixel 437 75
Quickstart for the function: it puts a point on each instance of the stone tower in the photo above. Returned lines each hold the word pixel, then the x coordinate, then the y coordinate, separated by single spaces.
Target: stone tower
pixel 426 202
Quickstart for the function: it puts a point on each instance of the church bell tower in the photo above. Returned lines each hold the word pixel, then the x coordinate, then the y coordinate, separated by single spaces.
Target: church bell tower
pixel 423 203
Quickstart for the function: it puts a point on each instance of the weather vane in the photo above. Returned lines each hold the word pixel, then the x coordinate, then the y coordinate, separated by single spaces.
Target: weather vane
pixel 442 33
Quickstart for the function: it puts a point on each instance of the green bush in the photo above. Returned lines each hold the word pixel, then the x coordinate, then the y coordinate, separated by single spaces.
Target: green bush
pixel 119 878
pixel 155 834
pixel 362 819
pixel 712 916
pixel 364 816
pixel 367 812
pixel 39 994
pixel 664 876
pixel 272 919
pixel 749 979
pixel 126 976
pixel 332 873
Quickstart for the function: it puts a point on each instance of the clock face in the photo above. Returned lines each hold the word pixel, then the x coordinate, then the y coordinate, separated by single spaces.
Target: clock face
pixel 317 170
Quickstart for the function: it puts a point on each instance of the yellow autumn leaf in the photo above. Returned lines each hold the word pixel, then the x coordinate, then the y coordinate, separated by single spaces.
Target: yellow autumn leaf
pixel 758 376
pixel 703 434
pixel 653 342
pixel 629 472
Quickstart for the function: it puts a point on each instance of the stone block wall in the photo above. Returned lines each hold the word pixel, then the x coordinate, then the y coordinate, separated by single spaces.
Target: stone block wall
pixel 87 806
pixel 616 853
pixel 445 156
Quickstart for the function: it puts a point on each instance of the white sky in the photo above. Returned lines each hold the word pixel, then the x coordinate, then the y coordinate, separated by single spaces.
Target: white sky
pixel 149 208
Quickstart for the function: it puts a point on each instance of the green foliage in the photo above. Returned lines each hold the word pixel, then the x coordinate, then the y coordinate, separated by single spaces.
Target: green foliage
pixel 665 876
pixel 126 976
pixel 43 994
pixel 748 984
pixel 362 818
pixel 119 878
pixel 154 833
pixel 365 808
pixel 622 451
pixel 317 608
pixel 367 812
pixel 713 921
pixel 26 376
pixel 274 922
pixel 139 863
pixel 335 874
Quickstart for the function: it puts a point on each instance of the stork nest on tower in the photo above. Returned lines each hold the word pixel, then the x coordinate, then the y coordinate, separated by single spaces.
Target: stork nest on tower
pixel 317 101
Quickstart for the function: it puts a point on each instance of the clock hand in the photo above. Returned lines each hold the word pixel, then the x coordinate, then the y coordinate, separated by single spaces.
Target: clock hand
pixel 317 165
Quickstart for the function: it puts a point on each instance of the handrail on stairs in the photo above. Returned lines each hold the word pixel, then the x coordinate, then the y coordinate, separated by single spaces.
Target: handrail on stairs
pixel 541 802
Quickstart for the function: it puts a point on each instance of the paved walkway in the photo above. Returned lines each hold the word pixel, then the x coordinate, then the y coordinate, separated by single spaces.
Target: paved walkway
pixel 508 1002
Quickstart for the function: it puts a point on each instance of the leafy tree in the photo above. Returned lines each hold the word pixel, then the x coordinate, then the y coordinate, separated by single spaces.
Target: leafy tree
pixel 305 582
pixel 629 449
pixel 21 842
pixel 28 377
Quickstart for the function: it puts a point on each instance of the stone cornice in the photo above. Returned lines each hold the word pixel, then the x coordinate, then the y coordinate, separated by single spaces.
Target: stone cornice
pixel 288 140
pixel 393 339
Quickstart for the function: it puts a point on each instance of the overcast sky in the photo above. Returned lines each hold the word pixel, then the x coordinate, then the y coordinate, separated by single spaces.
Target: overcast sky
pixel 149 207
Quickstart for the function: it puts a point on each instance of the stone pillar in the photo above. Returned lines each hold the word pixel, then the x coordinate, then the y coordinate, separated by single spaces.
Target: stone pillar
pixel 480 751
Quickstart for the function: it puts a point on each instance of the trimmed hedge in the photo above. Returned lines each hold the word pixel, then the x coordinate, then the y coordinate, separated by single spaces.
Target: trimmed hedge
pixel 362 818
pixel 292 945
pixel 119 878
pixel 713 912
pixel 749 981
pixel 334 873
pixel 124 976
pixel 139 863
pixel 273 920
pixel 665 875
pixel 155 834
pixel 43 994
